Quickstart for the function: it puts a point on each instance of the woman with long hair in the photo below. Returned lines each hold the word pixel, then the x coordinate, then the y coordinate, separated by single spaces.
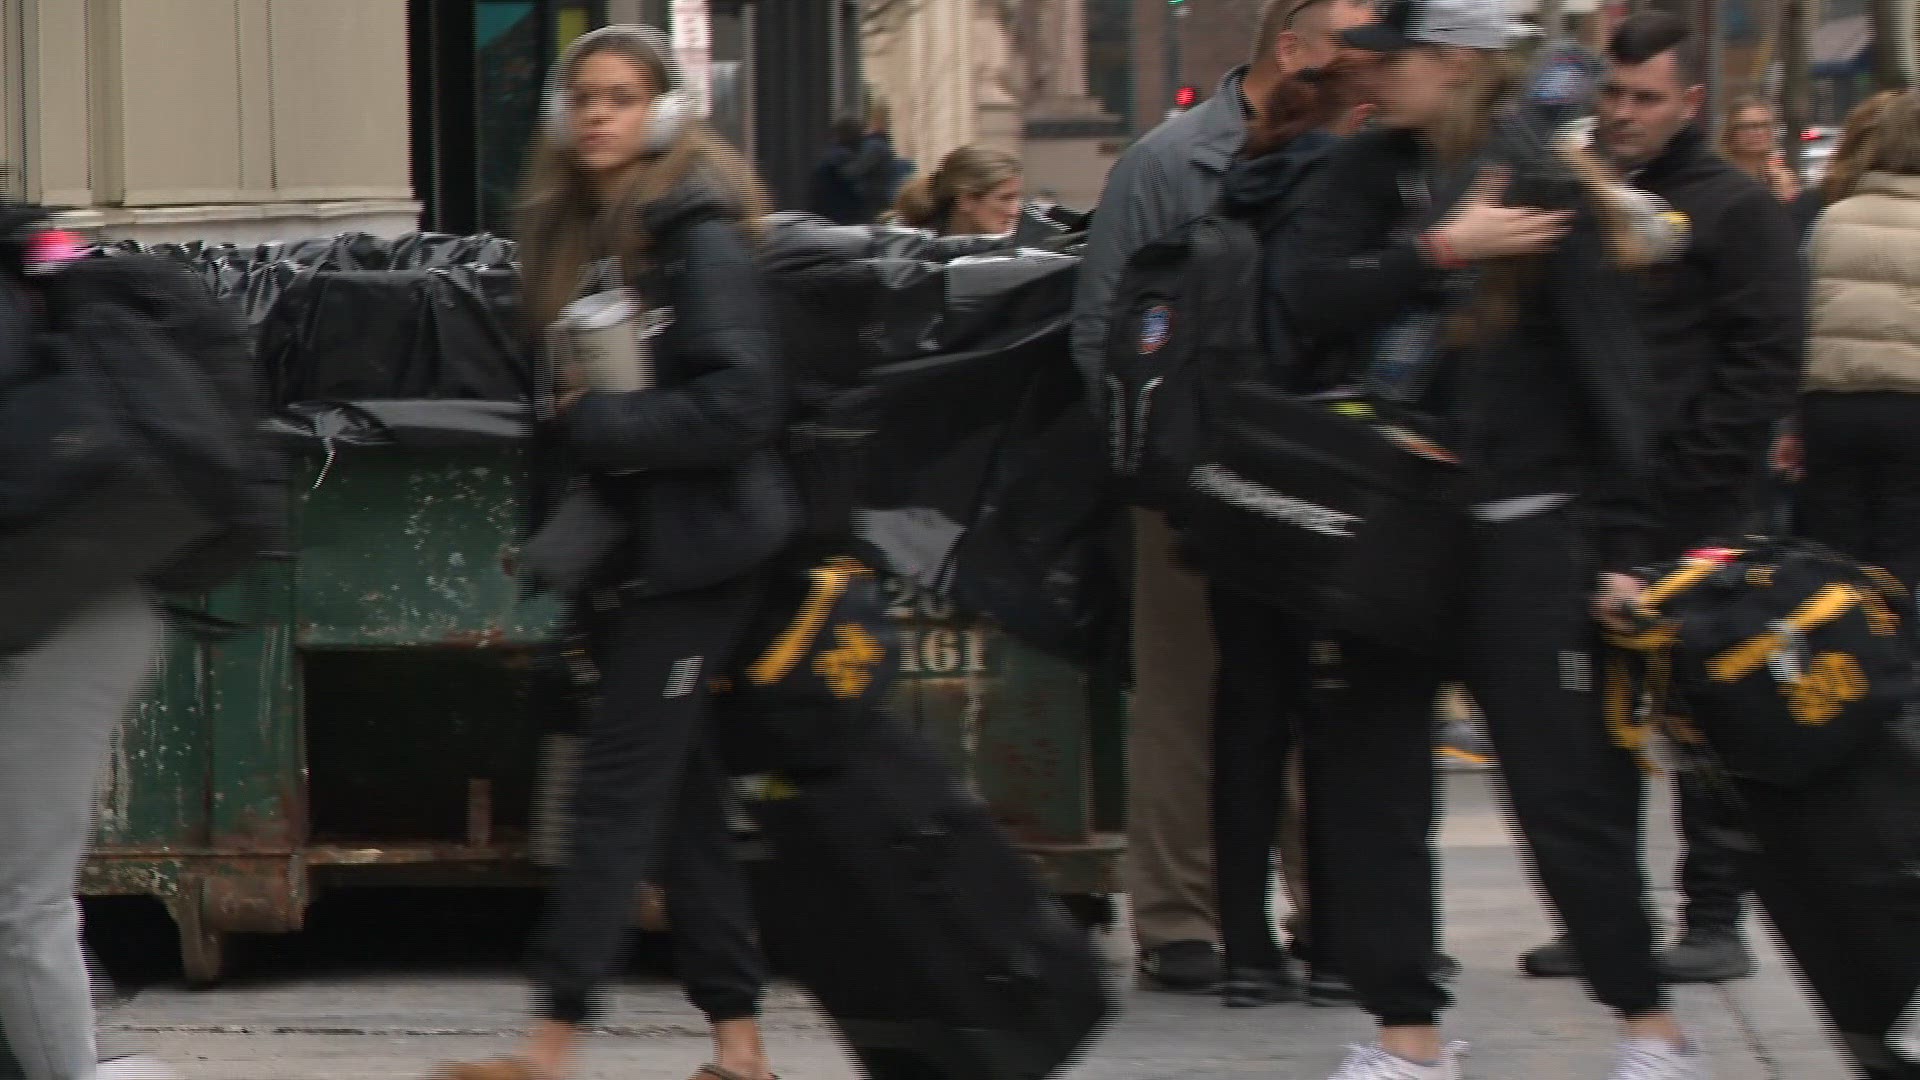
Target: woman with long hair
pixel 1750 138
pixel 1860 418
pixel 630 191
pixel 1853 154
pixel 1512 327
pixel 974 192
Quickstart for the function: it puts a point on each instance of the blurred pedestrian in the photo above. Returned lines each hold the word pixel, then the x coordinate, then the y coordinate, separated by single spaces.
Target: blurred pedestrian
pixel 975 192
pixel 1726 330
pixel 1536 373
pixel 1170 176
pixel 629 184
pixel 62 698
pixel 859 176
pixel 1860 416
pixel 1750 138
pixel 1852 158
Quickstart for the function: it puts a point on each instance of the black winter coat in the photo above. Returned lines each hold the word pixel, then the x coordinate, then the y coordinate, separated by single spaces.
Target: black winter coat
pixel 693 461
pixel 1726 330
pixel 1555 404
pixel 1273 194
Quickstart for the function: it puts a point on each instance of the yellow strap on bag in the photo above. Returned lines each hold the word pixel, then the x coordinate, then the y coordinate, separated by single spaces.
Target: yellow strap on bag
pixel 830 581
pixel 1822 607
pixel 1691 572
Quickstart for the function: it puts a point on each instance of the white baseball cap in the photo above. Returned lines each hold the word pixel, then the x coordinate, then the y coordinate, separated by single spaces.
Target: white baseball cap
pixel 1468 24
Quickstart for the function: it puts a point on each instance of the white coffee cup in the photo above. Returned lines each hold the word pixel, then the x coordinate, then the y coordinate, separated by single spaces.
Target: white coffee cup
pixel 601 335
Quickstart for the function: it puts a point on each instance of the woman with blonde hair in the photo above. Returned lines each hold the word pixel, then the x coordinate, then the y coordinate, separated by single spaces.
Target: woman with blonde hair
pixel 975 191
pixel 1750 138
pixel 1466 269
pixel 1860 418
pixel 1852 159
pixel 633 204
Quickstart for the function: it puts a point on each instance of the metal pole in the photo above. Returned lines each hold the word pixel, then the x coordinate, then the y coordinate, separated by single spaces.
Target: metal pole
pixel 1711 20
pixel 1176 20
pixel 1795 77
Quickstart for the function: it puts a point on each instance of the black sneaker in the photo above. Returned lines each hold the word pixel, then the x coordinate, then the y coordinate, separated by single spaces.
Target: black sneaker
pixel 1326 987
pixel 1250 988
pixel 1554 960
pixel 1706 956
pixel 1182 967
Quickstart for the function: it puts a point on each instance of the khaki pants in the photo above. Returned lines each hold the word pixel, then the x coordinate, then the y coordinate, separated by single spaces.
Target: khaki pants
pixel 1169 865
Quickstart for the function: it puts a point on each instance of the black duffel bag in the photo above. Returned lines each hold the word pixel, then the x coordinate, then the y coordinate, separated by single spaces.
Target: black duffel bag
pixel 1780 660
pixel 1336 510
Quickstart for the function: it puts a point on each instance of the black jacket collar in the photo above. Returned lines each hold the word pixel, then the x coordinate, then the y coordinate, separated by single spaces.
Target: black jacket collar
pixel 1687 150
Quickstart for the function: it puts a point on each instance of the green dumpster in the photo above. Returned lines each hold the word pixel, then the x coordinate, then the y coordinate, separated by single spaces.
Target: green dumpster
pixel 369 726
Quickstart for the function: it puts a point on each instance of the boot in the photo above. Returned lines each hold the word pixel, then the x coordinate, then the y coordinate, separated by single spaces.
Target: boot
pixel 1554 960
pixel 1704 955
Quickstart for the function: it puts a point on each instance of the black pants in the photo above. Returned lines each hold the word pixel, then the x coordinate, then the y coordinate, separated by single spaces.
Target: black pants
pixel 1263 684
pixel 1711 875
pixel 649 798
pixel 1526 644
pixel 1861 494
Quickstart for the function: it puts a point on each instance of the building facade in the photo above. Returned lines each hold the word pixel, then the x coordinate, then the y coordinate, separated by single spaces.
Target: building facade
pixel 229 118
pixel 255 120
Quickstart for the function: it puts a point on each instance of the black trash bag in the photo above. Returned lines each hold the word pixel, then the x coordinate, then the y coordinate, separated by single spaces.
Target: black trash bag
pixel 397 334
pixel 1037 553
pixel 356 316
pixel 1051 226
pixel 328 425
pixel 983 470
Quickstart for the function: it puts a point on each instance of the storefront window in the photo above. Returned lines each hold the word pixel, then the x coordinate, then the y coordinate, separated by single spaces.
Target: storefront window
pixel 731 86
pixel 508 74
pixel 1110 55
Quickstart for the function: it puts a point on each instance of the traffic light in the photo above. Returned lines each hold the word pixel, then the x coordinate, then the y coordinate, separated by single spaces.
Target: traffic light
pixel 1186 97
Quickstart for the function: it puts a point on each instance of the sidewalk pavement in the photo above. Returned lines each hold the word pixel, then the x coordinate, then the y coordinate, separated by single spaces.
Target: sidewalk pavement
pixel 353 1023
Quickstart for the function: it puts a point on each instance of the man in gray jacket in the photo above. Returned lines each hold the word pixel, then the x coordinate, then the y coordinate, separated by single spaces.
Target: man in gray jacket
pixel 1170 176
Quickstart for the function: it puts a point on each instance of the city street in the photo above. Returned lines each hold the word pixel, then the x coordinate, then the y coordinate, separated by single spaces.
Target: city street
pixel 356 1000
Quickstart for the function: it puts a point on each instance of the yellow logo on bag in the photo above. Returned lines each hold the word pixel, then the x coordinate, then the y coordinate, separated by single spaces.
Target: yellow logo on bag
pixel 1832 681
pixel 848 667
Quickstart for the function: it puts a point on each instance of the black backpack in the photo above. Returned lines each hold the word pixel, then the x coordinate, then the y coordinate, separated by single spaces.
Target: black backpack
pixel 131 410
pixel 184 368
pixel 1185 324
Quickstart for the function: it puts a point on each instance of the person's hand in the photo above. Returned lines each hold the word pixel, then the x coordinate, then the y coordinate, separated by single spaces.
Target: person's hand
pixel 1616 594
pixel 1480 228
pixel 571 387
pixel 1786 186
pixel 1790 456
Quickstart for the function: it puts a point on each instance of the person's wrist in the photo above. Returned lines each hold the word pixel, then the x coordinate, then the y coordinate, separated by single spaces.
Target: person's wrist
pixel 1441 250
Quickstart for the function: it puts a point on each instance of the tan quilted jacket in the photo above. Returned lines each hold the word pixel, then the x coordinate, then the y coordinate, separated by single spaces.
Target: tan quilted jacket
pixel 1866 290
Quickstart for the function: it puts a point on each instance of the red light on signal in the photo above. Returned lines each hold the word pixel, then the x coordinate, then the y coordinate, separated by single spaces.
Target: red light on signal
pixel 1185 97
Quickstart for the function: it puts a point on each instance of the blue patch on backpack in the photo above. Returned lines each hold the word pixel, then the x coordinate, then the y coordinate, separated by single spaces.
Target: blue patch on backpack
pixel 1156 326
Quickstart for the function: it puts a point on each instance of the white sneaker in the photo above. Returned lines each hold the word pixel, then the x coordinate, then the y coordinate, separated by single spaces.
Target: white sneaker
pixel 135 1067
pixel 1375 1063
pixel 1656 1059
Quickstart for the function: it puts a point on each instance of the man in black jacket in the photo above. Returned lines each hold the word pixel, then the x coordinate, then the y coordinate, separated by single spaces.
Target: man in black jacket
pixel 1725 325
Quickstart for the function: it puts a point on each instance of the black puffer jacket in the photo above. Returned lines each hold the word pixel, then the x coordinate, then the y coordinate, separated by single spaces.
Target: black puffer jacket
pixel 692 461
pixel 1726 328
pixel 1554 405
